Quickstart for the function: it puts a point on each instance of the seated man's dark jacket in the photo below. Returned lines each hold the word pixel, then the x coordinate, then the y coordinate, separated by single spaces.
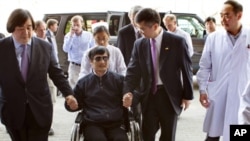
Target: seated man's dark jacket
pixel 100 98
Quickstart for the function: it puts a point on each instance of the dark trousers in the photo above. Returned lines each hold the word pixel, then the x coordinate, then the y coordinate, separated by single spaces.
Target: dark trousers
pixel 94 132
pixel 159 113
pixel 212 138
pixel 30 131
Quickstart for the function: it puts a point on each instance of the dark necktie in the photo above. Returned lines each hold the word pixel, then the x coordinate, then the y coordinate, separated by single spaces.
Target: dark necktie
pixel 24 62
pixel 154 60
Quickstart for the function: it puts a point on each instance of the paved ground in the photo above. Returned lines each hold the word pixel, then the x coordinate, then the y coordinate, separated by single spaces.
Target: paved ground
pixel 189 125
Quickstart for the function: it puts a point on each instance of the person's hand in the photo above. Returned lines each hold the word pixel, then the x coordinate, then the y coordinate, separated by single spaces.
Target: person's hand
pixel 204 100
pixel 127 99
pixel 71 102
pixel 185 104
pixel 72 30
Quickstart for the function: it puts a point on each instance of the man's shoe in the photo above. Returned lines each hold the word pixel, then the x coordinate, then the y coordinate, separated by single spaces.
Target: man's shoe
pixel 51 132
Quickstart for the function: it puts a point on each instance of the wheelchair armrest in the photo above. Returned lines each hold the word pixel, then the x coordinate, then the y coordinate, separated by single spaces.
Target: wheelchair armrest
pixel 130 114
pixel 79 118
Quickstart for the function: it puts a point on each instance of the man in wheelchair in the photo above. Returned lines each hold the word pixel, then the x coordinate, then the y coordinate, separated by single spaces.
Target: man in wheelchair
pixel 99 96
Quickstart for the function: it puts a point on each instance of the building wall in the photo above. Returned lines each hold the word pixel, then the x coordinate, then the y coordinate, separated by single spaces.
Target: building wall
pixel 39 7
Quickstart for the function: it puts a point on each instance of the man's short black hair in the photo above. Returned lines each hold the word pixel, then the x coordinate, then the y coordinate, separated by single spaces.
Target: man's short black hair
pixel 208 19
pixel 100 50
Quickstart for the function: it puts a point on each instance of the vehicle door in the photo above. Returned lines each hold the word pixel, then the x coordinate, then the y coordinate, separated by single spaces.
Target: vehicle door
pixel 116 20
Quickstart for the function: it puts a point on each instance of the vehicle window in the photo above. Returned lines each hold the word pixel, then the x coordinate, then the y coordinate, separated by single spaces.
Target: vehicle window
pixel 114 25
pixel 191 25
pixel 88 23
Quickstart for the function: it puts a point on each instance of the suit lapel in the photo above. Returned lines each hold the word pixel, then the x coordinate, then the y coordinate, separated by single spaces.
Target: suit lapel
pixel 32 57
pixel 146 49
pixel 13 60
pixel 164 51
pixel 132 32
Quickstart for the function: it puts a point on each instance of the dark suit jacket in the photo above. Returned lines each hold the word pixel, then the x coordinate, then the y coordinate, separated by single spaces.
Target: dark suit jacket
pixel 15 93
pixel 48 34
pixel 125 41
pixel 173 60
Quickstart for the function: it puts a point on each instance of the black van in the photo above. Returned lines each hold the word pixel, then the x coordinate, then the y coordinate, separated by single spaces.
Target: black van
pixel 190 23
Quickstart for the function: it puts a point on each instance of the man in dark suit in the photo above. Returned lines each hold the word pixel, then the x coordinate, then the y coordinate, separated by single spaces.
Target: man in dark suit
pixel 162 93
pixel 25 100
pixel 52 26
pixel 127 35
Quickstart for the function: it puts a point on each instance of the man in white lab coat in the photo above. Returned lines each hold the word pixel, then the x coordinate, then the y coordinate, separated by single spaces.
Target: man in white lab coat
pixel 224 73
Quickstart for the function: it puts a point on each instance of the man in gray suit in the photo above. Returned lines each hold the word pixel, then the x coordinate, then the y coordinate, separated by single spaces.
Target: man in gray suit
pixel 25 101
pixel 156 65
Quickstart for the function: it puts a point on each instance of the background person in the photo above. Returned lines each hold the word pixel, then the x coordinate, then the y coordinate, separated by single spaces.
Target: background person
pixel 128 34
pixel 2 35
pixel 101 36
pixel 76 42
pixel 170 22
pixel 224 72
pixel 101 103
pixel 40 30
pixel 210 25
pixel 52 26
pixel 25 100
pixel 158 73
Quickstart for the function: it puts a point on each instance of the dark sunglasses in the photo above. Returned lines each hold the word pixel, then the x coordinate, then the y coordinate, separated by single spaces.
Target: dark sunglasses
pixel 99 58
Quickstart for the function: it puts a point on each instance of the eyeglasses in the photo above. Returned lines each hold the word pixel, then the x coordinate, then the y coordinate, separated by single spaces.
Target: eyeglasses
pixel 99 58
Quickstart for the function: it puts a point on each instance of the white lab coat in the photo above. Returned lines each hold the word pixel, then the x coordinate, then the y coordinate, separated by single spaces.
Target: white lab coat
pixel 225 74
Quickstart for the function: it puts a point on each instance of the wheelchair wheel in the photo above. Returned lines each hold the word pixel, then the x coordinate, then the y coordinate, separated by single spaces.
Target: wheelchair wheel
pixel 131 132
pixel 135 132
pixel 75 136
pixel 138 135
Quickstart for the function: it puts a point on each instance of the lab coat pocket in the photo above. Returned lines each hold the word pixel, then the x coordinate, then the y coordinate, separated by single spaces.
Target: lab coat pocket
pixel 244 110
pixel 217 90
pixel 212 90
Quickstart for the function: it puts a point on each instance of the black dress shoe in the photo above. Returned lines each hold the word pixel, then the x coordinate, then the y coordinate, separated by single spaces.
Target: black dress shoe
pixel 51 132
pixel 212 138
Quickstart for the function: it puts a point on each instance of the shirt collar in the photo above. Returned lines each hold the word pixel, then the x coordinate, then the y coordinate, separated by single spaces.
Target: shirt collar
pixel 102 75
pixel 51 33
pixel 17 44
pixel 158 38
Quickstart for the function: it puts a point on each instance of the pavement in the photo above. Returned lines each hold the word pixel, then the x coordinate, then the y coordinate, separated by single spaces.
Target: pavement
pixel 189 127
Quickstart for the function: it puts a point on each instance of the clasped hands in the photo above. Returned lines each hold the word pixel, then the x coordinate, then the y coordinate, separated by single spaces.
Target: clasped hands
pixel 127 99
pixel 71 102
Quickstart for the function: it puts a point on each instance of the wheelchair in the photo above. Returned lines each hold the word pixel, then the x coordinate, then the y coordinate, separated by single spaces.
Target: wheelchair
pixel 130 124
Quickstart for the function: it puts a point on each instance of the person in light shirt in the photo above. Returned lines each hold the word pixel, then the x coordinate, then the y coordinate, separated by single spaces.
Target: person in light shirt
pixel 76 42
pixel 117 64
pixel 210 24
pixel 170 23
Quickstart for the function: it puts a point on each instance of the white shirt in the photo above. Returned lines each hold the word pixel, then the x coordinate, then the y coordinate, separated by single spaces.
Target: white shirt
pixel 187 38
pixel 116 62
pixel 75 45
pixel 158 40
